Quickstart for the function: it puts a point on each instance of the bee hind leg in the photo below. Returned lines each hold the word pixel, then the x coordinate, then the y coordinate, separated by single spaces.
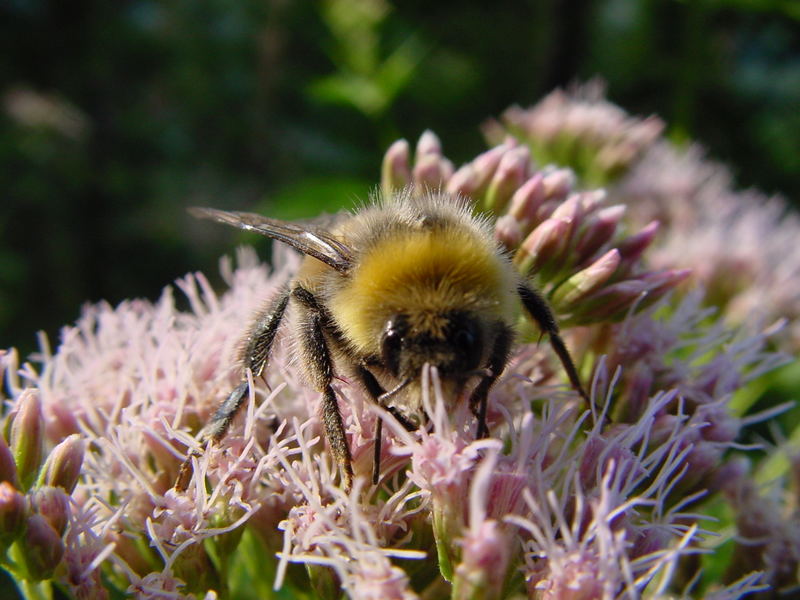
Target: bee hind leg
pixel 316 355
pixel 540 310
pixel 254 357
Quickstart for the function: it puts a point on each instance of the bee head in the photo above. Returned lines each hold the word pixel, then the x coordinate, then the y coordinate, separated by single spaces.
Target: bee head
pixel 454 342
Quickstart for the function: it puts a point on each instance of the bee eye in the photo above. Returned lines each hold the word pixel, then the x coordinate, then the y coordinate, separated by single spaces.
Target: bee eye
pixel 464 338
pixel 467 341
pixel 391 344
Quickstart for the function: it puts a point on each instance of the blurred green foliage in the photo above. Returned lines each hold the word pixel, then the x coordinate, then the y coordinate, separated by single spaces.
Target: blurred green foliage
pixel 115 116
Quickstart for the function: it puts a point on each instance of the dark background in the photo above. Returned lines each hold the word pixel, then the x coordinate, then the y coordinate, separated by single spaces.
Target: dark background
pixel 115 116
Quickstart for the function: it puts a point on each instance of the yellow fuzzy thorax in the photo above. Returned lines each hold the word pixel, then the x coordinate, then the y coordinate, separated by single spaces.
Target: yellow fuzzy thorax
pixel 422 274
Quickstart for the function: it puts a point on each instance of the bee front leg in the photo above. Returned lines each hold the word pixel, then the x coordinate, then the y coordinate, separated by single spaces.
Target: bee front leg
pixel 254 357
pixel 378 394
pixel 314 322
pixel 497 362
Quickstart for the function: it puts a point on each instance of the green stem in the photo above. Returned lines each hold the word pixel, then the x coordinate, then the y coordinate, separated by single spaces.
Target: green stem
pixel 40 590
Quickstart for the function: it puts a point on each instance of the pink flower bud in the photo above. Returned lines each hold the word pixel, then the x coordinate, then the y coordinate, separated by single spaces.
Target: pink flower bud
pixel 570 209
pixel 395 170
pixel 558 184
pixel 465 181
pixel 27 437
pixel 511 172
pixel 588 280
pixel 507 231
pixel 598 230
pixel 431 171
pixel 525 202
pixel 661 282
pixel 40 548
pixel 12 514
pixel 63 465
pixel 609 303
pixel 53 504
pixel 472 179
pixel 632 248
pixel 8 468
pixel 545 244
pixel 428 143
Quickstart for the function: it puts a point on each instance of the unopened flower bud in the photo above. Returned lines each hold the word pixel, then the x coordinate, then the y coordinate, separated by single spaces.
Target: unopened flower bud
pixel 558 184
pixel 569 210
pixel 428 143
pixel 661 282
pixel 53 504
pixel 507 231
pixel 545 244
pixel 431 171
pixel 63 466
pixel 511 172
pixel 40 548
pixel 612 302
pixel 27 437
pixel 609 303
pixel 632 248
pixel 526 201
pixel 599 229
pixel 586 281
pixel 8 468
pixel 12 514
pixel 465 182
pixel 472 178
pixel 395 170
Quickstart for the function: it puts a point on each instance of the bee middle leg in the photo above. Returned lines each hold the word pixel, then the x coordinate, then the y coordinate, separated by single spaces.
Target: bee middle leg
pixel 497 362
pixel 315 321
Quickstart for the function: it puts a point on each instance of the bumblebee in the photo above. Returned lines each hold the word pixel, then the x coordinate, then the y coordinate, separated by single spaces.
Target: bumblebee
pixel 407 280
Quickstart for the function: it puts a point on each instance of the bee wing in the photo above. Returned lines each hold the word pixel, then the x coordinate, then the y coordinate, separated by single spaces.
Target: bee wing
pixel 307 239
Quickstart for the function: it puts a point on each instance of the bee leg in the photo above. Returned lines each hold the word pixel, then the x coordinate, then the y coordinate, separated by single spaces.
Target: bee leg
pixel 256 353
pixel 254 357
pixel 540 310
pixel 316 355
pixel 378 394
pixel 497 362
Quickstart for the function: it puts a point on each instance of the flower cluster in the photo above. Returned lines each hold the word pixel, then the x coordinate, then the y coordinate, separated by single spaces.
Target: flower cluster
pixel 35 497
pixel 567 239
pixel 582 129
pixel 738 244
pixel 562 501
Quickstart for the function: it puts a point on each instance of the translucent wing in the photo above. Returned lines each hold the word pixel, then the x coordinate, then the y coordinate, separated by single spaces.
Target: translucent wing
pixel 305 238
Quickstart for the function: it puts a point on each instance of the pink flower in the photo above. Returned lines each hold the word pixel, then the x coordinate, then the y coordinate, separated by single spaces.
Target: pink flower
pixel 604 500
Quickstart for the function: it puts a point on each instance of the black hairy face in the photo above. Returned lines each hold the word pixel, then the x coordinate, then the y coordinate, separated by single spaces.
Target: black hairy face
pixel 455 346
